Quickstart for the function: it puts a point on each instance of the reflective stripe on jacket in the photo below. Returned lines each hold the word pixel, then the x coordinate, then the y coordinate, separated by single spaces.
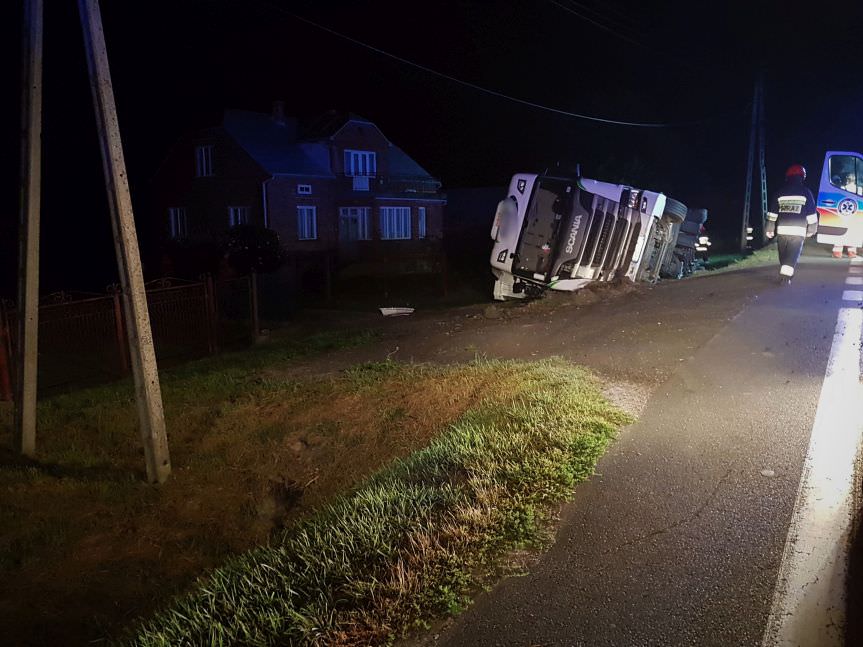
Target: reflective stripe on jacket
pixel 792 210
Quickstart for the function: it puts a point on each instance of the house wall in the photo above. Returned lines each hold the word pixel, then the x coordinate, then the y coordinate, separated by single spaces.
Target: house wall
pixel 236 182
pixel 283 200
pixel 358 136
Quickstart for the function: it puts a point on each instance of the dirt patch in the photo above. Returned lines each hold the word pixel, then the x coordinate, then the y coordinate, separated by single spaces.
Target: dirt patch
pixel 593 293
pixel 630 397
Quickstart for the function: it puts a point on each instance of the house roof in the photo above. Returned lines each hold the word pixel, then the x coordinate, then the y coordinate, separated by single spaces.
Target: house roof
pixel 279 149
pixel 403 164
pixel 274 146
pixel 329 123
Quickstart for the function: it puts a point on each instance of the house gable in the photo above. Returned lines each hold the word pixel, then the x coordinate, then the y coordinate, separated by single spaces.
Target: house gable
pixel 360 137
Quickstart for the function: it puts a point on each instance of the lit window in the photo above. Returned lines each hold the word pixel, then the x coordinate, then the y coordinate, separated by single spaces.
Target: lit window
pixel 304 189
pixel 307 223
pixel 360 163
pixel 395 223
pixel 204 161
pixel 178 226
pixel 421 222
pixel 238 216
pixel 354 223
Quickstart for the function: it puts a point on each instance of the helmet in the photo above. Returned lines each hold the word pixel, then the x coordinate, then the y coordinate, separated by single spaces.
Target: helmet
pixel 796 170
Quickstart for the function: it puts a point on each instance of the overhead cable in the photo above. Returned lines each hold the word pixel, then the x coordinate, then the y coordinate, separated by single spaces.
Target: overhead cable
pixel 479 88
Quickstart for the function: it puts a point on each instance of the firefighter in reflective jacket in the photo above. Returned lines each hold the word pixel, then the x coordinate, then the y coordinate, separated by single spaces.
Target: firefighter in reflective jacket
pixel 792 218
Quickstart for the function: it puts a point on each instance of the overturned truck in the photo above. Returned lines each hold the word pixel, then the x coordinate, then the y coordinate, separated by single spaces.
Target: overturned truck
pixel 562 233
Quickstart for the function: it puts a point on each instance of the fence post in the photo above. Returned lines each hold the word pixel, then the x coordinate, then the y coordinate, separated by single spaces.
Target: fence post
pixel 329 277
pixel 253 305
pixel 5 357
pixel 212 316
pixel 120 331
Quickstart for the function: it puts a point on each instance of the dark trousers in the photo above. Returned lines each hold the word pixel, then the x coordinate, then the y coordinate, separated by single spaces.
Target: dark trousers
pixel 789 253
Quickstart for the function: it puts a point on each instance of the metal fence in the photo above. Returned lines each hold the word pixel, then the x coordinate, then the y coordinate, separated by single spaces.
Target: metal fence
pixel 82 337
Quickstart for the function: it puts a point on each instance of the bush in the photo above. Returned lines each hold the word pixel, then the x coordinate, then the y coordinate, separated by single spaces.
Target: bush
pixel 248 248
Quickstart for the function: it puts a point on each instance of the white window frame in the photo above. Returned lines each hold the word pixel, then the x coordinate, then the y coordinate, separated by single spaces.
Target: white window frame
pixel 364 216
pixel 304 189
pixel 307 222
pixel 361 182
pixel 238 215
pixel 204 160
pixel 421 222
pixel 178 223
pixel 360 163
pixel 395 223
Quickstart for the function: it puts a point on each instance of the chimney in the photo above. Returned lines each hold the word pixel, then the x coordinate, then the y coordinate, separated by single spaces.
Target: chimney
pixel 279 112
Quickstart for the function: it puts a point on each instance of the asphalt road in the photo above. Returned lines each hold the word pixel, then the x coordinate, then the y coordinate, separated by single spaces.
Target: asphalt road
pixel 679 537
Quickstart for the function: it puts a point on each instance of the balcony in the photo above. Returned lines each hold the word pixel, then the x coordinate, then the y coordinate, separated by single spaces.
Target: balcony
pixel 397 186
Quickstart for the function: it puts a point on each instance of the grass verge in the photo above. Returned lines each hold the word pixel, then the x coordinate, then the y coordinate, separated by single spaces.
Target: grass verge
pixel 720 263
pixel 86 543
pixel 412 540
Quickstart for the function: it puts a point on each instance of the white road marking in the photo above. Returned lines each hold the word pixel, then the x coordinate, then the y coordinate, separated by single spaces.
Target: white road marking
pixel 809 601
pixel 855 269
pixel 854 280
pixel 852 295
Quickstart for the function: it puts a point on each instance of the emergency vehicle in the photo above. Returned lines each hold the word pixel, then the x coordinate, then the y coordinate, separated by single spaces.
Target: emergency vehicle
pixel 840 200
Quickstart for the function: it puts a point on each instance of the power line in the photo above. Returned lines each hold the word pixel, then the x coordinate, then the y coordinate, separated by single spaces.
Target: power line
pixel 629 39
pixel 621 21
pixel 474 86
pixel 569 9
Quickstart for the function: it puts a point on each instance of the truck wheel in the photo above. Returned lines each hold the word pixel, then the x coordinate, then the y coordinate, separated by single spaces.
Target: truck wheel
pixel 675 211
pixel 697 215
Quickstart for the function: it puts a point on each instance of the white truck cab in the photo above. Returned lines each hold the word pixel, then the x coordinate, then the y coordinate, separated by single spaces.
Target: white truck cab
pixel 562 233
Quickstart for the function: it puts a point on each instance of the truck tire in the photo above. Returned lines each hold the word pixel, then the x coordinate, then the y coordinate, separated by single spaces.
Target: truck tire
pixel 697 215
pixel 675 211
pixel 689 227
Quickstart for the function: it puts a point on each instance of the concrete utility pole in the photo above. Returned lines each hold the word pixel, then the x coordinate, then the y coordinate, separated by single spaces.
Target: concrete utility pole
pixel 750 161
pixel 151 417
pixel 28 229
pixel 757 131
pixel 762 164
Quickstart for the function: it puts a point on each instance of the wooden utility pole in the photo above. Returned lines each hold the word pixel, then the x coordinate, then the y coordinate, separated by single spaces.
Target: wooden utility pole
pixel 28 230
pixel 151 417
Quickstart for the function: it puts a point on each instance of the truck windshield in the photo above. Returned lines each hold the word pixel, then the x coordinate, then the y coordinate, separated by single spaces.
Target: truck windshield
pixel 550 202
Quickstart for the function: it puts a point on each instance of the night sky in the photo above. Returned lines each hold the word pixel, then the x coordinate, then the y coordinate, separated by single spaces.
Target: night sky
pixel 177 65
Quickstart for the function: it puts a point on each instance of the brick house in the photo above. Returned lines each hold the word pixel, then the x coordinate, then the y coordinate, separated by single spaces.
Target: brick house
pixel 338 190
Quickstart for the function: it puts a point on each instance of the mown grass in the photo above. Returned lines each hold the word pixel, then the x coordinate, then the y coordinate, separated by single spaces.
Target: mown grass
pixel 414 539
pixel 85 536
pixel 721 263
